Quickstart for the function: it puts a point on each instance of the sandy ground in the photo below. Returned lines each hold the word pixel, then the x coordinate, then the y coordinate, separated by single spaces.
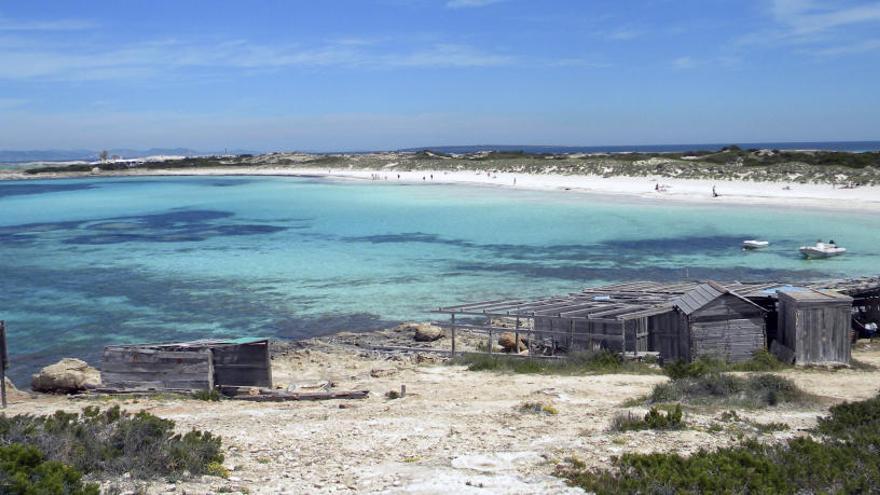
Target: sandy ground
pixel 823 196
pixel 456 431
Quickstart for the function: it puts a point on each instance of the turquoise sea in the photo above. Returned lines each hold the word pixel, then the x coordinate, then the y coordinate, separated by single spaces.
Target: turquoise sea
pixel 88 262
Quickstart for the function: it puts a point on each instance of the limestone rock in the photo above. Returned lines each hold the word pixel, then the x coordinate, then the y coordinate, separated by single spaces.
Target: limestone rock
pixel 13 394
pixel 423 332
pixel 507 342
pixel 65 377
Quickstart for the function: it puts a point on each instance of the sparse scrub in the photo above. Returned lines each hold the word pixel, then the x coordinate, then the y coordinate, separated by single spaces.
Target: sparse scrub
pixel 721 389
pixel 113 442
pixel 24 470
pixel 844 461
pixel 761 360
pixel 207 395
pixel 538 408
pixel 586 363
pixel 654 419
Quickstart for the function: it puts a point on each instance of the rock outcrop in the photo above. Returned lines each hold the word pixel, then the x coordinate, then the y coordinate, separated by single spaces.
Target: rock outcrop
pixel 423 332
pixel 13 394
pixel 507 341
pixel 65 377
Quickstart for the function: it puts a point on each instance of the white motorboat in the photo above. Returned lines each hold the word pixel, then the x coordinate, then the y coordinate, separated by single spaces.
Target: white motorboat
pixel 822 250
pixel 755 244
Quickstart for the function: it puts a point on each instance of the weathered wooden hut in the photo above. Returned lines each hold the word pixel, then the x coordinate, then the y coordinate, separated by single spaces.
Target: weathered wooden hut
pixel 709 321
pixel 814 327
pixel 197 365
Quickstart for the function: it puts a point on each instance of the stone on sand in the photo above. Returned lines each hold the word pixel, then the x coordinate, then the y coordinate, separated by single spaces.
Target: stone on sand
pixel 66 376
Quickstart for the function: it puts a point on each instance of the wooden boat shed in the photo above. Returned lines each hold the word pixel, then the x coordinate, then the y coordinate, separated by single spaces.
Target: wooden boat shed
pixel 711 321
pixel 187 366
pixel 814 327
pixel 640 317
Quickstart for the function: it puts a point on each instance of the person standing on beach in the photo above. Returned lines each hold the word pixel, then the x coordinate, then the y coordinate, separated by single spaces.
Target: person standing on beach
pixel 714 194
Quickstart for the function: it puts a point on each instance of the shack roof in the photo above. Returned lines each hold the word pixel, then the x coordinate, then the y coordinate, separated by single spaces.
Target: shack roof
pixel 701 295
pixel 198 344
pixel 815 296
pixel 631 300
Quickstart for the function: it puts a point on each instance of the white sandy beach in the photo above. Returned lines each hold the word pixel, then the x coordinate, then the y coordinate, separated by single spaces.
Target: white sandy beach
pixel 736 192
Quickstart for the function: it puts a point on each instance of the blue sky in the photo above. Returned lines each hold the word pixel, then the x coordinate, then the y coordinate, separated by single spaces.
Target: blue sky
pixel 385 74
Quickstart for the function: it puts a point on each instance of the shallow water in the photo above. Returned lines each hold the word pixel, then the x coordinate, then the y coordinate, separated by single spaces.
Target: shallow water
pixel 90 261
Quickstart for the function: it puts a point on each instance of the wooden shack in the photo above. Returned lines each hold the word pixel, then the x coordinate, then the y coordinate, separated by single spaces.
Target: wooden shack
pixel 187 366
pixel 709 321
pixel 814 327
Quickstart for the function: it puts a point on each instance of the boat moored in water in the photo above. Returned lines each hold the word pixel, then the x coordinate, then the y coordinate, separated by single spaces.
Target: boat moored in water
pixel 755 244
pixel 822 250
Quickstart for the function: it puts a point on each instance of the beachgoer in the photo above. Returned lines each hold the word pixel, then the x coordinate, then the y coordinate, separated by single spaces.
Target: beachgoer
pixel 398 176
pixel 514 181
pixel 714 194
pixel 657 187
pixel 432 176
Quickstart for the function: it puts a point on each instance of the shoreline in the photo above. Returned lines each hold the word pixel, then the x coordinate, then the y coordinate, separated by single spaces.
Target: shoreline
pixel 679 191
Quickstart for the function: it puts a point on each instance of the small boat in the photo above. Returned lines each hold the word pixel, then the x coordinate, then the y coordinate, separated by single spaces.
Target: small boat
pixel 755 244
pixel 822 250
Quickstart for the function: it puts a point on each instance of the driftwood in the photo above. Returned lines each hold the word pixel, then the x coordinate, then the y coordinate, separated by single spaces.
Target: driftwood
pixel 264 395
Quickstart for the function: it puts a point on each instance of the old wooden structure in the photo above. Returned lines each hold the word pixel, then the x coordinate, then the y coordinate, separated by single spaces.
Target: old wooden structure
pixel 813 327
pixel 187 366
pixel 682 320
pixel 710 321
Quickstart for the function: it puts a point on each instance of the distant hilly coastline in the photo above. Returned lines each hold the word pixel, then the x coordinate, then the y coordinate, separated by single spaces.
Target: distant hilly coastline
pixel 850 146
pixel 25 156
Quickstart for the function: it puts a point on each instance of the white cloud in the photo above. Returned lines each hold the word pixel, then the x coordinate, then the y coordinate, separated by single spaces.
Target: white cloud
pixel 30 61
pixel 466 4
pixel 806 17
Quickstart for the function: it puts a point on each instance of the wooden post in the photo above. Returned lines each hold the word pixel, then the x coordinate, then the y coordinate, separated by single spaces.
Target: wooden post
pixel 490 342
pixel 4 363
pixel 453 335
pixel 516 337
pixel 571 336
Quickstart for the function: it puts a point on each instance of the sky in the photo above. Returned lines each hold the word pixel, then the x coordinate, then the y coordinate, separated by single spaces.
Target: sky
pixel 335 75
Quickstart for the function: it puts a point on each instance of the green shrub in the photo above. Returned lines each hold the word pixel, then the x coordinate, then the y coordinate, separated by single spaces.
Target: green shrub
pixel 722 389
pixel 212 395
pixel 24 470
pixel 654 419
pixel 845 461
pixel 851 418
pixel 761 360
pixel 114 442
pixel 583 363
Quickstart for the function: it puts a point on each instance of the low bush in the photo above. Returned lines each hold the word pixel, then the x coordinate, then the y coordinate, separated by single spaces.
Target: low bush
pixel 212 395
pixel 761 360
pixel 114 442
pixel 844 460
pixel 654 419
pixel 722 389
pixel 24 470
pixel 584 363
pixel 538 408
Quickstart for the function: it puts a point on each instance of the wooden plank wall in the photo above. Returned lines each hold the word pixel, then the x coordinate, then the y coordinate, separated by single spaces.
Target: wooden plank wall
pixel 669 336
pixel 135 367
pixel 823 334
pixel 245 365
pixel 727 328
